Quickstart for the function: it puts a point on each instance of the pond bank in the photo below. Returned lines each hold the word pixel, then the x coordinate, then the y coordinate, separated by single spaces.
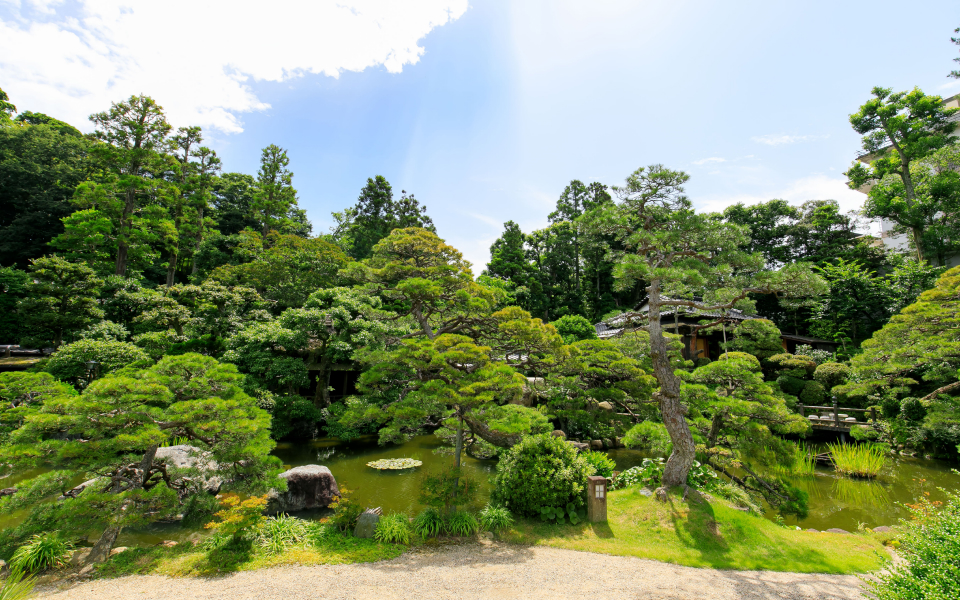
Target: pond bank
pixel 487 570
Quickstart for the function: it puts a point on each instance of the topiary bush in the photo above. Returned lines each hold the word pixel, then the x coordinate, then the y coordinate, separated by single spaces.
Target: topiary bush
pixel 649 435
pixel 758 337
pixel 751 359
pixel 913 409
pixel 574 328
pixel 540 471
pixel 794 365
pixel 831 374
pixel 813 393
pixel 69 362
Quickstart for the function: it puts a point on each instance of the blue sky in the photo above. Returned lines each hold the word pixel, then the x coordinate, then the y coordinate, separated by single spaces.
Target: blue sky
pixel 487 111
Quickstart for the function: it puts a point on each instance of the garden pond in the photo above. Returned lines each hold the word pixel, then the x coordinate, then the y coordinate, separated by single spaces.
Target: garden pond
pixel 835 501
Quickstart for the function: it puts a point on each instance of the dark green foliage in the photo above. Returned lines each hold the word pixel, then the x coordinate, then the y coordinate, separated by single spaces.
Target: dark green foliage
pixel 912 409
pixel 890 407
pixel 60 300
pixel 376 214
pixel 232 202
pixel 758 337
pixel 13 287
pixel 574 328
pixel 790 385
pixel 813 393
pixel 294 417
pixel 930 547
pixel 602 464
pixel 40 166
pixel 540 471
pixel 649 435
pixel 69 362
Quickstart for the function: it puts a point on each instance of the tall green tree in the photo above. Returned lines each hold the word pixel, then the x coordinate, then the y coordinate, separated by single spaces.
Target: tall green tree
pixel 898 129
pixel 677 253
pixel 41 165
pixel 61 299
pixel 376 214
pixel 232 202
pixel 274 197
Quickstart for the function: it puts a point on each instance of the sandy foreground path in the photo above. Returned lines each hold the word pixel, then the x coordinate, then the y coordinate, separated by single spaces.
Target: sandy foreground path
pixel 490 571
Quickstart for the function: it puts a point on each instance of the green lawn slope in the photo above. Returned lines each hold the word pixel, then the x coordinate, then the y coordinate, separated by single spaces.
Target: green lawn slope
pixel 704 534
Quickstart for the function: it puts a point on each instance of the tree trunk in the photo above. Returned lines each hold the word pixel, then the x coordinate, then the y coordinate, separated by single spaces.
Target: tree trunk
pixel 424 323
pixel 492 436
pixel 101 550
pixel 321 398
pixel 943 390
pixel 672 411
pixel 199 240
pixel 172 268
pixel 146 464
pixel 123 232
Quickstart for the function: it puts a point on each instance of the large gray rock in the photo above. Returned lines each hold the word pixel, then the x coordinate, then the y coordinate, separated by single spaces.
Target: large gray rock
pixel 367 523
pixel 190 457
pixel 882 529
pixel 309 486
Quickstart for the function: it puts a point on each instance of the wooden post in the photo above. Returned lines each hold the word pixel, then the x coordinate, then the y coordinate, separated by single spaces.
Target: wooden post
pixel 836 413
pixel 803 411
pixel 873 414
pixel 596 499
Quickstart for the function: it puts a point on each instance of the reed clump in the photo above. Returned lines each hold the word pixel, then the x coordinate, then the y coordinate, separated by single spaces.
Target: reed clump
pixel 858 460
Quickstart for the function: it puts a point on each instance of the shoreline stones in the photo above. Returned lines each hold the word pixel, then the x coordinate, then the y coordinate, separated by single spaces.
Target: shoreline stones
pixel 308 486
pixel 367 523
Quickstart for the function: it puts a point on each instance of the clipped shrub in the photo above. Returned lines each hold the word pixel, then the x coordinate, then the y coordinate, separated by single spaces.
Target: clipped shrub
pixel 393 529
pixel 462 523
pixel 69 362
pixel 790 385
pixel 818 356
pixel 862 433
pixel 913 409
pixel 540 471
pixel 41 552
pixel 795 365
pixel 890 407
pixel 574 328
pixel 428 523
pixel 759 338
pixel 649 435
pixel 105 330
pixel 156 343
pixel 749 358
pixel 495 518
pixel 603 465
pixel 813 393
pixel 831 374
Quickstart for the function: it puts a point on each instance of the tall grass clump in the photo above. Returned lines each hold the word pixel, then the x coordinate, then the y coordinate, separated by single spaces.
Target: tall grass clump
pixel 16 586
pixel 278 533
pixel 42 551
pixel 393 529
pixel 860 460
pixel 428 524
pixel 461 523
pixel 804 462
pixel 495 518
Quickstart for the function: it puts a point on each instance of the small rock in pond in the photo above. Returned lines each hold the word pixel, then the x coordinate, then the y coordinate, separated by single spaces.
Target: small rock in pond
pixel 367 524
pixel 168 543
pixel 835 530
pixel 559 433
pixel 596 444
pixel 882 529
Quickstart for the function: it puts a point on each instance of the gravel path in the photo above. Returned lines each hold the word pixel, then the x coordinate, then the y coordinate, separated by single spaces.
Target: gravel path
pixel 488 571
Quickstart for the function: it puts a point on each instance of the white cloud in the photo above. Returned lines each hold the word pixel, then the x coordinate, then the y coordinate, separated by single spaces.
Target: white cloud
pixel 712 159
pixel 777 140
pixel 197 58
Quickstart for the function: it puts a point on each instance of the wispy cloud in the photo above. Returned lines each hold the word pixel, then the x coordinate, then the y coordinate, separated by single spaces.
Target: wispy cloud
pixel 712 159
pixel 73 59
pixel 779 140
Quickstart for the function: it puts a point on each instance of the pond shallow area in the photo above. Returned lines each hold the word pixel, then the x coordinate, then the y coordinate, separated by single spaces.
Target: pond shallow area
pixel 845 503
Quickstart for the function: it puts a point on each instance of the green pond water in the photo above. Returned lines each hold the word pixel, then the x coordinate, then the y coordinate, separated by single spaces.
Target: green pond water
pixel 835 501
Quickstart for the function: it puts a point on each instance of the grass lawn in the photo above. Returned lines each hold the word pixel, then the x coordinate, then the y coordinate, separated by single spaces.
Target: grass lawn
pixel 705 534
pixel 185 560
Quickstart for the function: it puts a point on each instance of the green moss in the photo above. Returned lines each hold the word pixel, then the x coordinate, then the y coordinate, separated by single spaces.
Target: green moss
pixel 708 534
